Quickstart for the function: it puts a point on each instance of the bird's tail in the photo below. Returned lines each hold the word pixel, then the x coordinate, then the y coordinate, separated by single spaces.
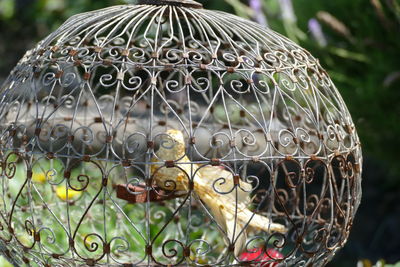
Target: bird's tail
pixel 236 233
pixel 261 222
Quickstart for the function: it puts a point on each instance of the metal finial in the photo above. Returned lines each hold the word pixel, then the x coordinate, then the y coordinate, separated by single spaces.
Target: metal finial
pixel 184 3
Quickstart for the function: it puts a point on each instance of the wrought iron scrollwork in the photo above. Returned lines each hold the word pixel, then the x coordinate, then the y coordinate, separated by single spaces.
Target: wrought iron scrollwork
pixel 163 134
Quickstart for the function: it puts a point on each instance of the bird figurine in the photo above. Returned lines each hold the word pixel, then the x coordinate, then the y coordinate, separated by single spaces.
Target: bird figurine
pixel 214 186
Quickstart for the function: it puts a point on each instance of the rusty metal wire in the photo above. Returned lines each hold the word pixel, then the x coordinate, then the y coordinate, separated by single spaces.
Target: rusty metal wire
pixel 93 171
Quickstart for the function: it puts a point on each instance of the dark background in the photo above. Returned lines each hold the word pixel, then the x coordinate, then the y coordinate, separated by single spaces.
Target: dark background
pixel 358 44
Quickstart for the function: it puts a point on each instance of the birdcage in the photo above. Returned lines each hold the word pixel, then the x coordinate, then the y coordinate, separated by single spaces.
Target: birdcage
pixel 165 134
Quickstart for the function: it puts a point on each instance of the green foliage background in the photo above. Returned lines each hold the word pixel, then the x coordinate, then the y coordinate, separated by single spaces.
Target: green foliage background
pixel 360 48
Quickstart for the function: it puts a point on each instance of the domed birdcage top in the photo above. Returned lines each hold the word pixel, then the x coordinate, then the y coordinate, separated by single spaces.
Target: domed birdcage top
pixel 166 134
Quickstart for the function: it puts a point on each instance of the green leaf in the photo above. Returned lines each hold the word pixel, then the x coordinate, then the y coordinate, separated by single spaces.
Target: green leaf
pixel 349 55
pixel 4 262
pixel 7 8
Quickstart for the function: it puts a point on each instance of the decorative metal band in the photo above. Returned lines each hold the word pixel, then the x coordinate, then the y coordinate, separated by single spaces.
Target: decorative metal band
pixel 183 3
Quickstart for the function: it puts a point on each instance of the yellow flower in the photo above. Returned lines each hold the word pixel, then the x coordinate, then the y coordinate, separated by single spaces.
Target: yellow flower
pixel 197 260
pixel 89 240
pixel 62 193
pixel 39 177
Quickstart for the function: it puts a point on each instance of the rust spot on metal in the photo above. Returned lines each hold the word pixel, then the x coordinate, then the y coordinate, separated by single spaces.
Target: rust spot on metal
pixel 192 141
pixel 230 69
pixel 357 167
pixel 126 163
pixel 59 74
pixel 232 143
pixel 169 67
pixel 139 194
pixel 98 120
pixel 37 237
pixel 56 256
pixel 186 252
pixel 90 262
pixel 29 174
pixel 86 76
pixel 236 179
pixel 150 144
pixel 25 139
pixel 107 248
pixel 288 157
pixel 348 129
pixel 176 219
pixel 13 132
pixel 67 174
pixel 191 185
pixel 295 140
pixel 73 52
pixel 154 55
pixel 38 131
pixel 149 249
pixel 70 138
pixel 215 162
pixel 188 80
pixel 169 164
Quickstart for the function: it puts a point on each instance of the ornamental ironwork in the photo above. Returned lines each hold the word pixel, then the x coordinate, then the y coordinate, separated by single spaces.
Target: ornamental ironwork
pixel 165 134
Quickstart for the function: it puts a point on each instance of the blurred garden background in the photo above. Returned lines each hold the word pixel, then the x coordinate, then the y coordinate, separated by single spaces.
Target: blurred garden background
pixel 357 41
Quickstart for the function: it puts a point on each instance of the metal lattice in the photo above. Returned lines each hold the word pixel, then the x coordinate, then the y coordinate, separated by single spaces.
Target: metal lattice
pixel 164 134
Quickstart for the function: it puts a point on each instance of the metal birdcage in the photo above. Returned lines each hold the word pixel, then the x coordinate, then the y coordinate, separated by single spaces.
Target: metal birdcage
pixel 164 134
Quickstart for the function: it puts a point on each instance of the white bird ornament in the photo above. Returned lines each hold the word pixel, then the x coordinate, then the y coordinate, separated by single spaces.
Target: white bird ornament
pixel 214 186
